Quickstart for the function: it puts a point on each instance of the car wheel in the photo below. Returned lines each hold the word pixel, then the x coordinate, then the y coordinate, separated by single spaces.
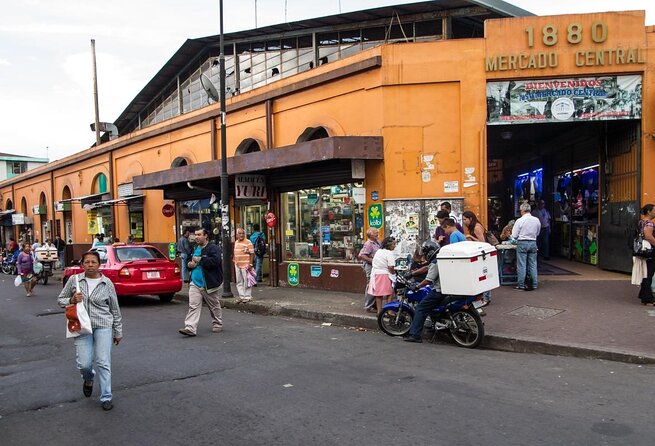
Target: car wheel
pixel 166 297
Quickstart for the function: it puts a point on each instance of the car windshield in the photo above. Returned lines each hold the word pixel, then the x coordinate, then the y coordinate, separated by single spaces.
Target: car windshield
pixel 131 253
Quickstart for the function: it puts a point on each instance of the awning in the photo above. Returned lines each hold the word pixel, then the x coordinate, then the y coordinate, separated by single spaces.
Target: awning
pixel 87 200
pixel 7 212
pixel 121 200
pixel 327 157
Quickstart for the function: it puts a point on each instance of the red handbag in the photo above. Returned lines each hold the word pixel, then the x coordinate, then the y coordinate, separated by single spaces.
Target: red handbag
pixel 73 322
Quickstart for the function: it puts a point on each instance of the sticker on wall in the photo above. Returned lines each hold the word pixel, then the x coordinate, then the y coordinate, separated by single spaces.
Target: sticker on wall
pixel 359 195
pixel 375 195
pixel 172 251
pixel 426 176
pixel 469 171
pixel 334 273
pixel 316 270
pixel 375 216
pixel 426 162
pixel 469 184
pixel 293 274
pixel 450 186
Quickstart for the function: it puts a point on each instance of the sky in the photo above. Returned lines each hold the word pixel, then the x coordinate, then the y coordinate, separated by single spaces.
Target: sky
pixel 46 77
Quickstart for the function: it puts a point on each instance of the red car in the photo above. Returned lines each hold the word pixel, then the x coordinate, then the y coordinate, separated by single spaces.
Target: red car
pixel 135 270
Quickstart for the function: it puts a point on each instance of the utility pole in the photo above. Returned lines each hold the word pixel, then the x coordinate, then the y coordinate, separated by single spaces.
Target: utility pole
pixel 225 191
pixel 95 91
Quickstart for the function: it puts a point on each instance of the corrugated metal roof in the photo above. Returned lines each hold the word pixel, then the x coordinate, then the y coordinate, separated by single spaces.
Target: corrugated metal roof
pixel 193 48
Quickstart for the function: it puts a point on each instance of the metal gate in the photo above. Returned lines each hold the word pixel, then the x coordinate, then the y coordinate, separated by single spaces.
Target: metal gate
pixel 620 181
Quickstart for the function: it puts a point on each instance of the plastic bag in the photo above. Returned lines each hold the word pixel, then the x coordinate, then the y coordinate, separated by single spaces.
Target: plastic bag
pixel 252 278
pixel 18 281
pixel 84 322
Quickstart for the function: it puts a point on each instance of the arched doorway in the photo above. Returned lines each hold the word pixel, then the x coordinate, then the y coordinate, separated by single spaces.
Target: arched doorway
pixel 44 226
pixel 100 219
pixel 6 226
pixel 66 207
pixel 25 231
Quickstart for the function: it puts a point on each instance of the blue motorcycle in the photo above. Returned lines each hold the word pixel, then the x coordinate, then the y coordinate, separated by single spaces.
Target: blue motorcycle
pixel 457 315
pixel 8 265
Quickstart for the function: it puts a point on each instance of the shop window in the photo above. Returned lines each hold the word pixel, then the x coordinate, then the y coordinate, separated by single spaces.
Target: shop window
pixel 15 168
pixel 136 226
pixel 323 224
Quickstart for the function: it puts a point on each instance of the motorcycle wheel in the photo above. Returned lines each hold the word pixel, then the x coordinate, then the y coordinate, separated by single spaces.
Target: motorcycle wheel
pixel 6 269
pixel 468 330
pixel 387 322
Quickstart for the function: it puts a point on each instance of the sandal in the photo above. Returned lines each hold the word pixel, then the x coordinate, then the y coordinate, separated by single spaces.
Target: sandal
pixel 649 304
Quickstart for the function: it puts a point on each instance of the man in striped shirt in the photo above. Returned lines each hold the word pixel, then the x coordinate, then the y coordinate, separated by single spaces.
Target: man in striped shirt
pixel 243 256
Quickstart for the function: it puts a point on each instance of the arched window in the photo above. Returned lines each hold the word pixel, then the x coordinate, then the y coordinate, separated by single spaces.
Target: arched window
pixel 66 193
pixel 42 200
pixel 9 205
pixel 23 205
pixel 312 133
pixel 179 162
pixel 248 145
pixel 99 184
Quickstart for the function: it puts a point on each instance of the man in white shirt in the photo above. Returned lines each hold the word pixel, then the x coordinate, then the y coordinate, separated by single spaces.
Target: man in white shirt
pixel 525 231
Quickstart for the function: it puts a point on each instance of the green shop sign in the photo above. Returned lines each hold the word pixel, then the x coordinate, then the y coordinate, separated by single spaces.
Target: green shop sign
pixel 172 251
pixel 293 274
pixel 375 216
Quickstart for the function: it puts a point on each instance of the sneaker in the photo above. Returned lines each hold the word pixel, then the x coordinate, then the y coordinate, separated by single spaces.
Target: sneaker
pixel 217 329
pixel 87 388
pixel 107 405
pixel 186 332
pixel 520 287
pixel 416 339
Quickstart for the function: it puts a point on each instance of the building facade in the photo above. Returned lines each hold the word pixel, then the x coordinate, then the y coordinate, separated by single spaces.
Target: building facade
pixel 344 123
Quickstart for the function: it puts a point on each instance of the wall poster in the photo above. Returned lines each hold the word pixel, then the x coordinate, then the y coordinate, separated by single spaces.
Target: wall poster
pixel 564 100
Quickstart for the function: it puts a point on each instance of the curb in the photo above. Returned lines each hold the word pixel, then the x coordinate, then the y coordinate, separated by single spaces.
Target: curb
pixel 499 342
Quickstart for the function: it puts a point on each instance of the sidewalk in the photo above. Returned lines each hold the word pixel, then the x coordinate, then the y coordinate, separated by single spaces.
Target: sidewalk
pixel 594 315
pixel 600 319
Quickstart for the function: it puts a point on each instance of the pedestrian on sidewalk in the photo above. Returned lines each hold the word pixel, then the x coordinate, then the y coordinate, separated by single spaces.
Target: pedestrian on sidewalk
pixel 544 234
pixel 646 227
pixel 258 240
pixel 60 245
pixel 383 273
pixel 242 258
pixel 206 279
pixel 99 297
pixel 525 232
pixel 25 266
pixel 366 255
pixel 183 247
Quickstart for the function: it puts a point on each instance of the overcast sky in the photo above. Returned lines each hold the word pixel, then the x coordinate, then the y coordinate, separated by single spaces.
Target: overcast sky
pixel 46 89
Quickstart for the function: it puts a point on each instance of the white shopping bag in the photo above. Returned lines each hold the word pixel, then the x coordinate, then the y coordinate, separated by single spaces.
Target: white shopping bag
pixel 18 281
pixel 82 316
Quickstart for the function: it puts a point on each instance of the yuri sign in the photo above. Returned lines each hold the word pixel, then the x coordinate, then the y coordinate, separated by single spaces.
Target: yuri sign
pixel 250 186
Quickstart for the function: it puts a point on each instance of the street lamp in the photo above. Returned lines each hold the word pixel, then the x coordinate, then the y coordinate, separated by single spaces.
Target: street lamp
pixel 225 192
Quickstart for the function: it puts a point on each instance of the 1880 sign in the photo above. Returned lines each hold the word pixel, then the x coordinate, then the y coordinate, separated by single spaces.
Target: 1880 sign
pixel 250 187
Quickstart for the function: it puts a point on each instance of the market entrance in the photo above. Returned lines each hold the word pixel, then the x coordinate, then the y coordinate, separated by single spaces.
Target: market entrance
pixel 587 175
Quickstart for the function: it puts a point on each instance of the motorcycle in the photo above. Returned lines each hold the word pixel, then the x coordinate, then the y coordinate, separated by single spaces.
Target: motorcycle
pixel 457 315
pixel 44 271
pixel 8 264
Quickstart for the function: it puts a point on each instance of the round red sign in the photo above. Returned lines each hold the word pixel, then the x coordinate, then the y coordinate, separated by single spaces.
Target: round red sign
pixel 271 219
pixel 168 210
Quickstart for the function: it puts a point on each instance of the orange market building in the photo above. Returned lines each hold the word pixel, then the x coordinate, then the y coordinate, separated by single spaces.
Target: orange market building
pixel 374 118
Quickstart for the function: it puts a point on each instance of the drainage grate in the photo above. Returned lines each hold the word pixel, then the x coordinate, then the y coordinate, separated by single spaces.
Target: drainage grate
pixel 535 312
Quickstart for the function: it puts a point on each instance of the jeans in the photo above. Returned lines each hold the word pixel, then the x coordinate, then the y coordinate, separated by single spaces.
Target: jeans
pixel 243 290
pixel 423 310
pixel 185 269
pixel 544 243
pixel 369 301
pixel 62 260
pixel 258 267
pixel 526 252
pixel 96 346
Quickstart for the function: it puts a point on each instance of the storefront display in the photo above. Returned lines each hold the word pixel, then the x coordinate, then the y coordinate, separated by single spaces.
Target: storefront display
pixel 575 215
pixel 323 224
pixel 194 214
pixel 528 187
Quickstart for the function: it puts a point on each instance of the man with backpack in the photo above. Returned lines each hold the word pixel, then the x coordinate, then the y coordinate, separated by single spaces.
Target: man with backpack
pixel 258 240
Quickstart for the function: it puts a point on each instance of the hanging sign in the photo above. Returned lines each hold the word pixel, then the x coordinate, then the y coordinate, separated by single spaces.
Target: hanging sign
pixel 172 251
pixel 168 210
pixel 293 274
pixel 17 219
pixel 250 187
pixel 91 222
pixel 271 219
pixel 375 216
pixel 557 100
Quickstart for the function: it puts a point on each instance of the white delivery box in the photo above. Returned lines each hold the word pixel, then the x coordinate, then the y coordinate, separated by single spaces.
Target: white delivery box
pixel 46 254
pixel 468 268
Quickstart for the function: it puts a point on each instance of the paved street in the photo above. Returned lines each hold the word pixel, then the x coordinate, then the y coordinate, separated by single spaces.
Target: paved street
pixel 271 380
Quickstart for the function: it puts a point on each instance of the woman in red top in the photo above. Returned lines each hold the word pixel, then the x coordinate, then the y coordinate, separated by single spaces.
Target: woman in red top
pixel 25 265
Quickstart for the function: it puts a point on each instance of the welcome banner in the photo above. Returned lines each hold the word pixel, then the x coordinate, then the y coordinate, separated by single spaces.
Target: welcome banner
pixel 564 100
